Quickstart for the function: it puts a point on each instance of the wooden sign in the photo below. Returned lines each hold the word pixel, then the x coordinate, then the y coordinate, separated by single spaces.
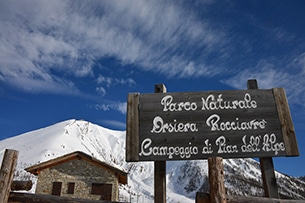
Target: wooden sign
pixel 197 125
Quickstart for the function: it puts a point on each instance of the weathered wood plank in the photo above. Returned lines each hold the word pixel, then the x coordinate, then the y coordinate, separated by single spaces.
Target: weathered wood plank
pixel 132 128
pixel 40 198
pixel 190 119
pixel 204 198
pixel 7 171
pixel 286 122
pixel 216 180
pixel 243 199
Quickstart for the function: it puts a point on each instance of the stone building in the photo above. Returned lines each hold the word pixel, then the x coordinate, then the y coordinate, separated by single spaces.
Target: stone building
pixel 78 175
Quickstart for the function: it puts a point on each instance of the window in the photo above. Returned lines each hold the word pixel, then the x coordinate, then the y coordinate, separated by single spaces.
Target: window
pixel 56 189
pixel 71 188
pixel 105 190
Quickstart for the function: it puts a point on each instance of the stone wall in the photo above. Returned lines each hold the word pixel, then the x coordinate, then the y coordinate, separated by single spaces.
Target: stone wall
pixel 82 173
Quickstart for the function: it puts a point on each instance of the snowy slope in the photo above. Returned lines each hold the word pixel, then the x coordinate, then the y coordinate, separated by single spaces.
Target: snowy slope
pixel 184 178
pixel 65 137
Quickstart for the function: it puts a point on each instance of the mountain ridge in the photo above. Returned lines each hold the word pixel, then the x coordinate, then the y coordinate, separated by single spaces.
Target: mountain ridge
pixel 184 178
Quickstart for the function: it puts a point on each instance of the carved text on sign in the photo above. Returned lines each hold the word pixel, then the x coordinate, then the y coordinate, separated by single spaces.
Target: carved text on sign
pixel 213 103
pixel 216 124
pixel 159 126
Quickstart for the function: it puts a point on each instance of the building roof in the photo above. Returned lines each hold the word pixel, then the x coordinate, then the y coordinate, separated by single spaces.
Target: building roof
pixel 122 176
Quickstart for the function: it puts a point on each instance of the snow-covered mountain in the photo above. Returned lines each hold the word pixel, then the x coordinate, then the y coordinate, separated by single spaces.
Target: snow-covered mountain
pixel 184 178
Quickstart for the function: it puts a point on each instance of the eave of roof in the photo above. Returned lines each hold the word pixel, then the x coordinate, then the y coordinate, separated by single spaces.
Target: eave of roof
pixel 35 169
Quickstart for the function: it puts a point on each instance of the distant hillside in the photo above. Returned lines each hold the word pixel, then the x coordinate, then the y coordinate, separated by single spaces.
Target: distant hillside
pixel 184 178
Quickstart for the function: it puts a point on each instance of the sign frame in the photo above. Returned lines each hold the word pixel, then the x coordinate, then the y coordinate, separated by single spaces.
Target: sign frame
pixel 142 109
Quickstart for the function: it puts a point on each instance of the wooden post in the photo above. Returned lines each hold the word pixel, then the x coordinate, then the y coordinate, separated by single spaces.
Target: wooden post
pixel 266 164
pixel 269 179
pixel 132 135
pixel 160 166
pixel 216 180
pixel 7 171
pixel 291 144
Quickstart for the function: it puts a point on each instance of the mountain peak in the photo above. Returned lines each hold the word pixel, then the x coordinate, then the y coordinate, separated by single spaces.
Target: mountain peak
pixel 65 137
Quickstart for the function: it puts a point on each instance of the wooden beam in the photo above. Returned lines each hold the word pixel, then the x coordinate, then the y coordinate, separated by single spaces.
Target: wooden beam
pixel 266 164
pixel 160 166
pixel 204 198
pixel 216 180
pixel 242 199
pixel 40 198
pixel 7 171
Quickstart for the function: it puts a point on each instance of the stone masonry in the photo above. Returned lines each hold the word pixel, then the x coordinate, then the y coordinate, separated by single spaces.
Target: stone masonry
pixel 80 172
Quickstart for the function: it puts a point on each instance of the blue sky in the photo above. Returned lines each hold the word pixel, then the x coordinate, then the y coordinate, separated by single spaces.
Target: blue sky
pixel 80 59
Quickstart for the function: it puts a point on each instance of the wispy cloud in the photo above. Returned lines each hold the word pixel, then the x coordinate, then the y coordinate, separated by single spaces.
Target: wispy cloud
pixel 268 74
pixel 101 91
pixel 117 106
pixel 46 46
pixel 299 62
pixel 110 81
pixel 32 48
pixel 43 39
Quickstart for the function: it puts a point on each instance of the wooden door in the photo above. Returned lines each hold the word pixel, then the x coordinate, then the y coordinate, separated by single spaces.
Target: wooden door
pixel 56 189
pixel 104 190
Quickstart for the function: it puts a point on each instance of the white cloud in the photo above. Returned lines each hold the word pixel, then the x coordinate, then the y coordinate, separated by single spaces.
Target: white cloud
pixel 117 106
pixel 122 107
pixel 111 81
pixel 47 45
pixel 30 51
pixel 41 38
pixel 101 79
pixel 268 75
pixel 101 91
pixel 299 62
